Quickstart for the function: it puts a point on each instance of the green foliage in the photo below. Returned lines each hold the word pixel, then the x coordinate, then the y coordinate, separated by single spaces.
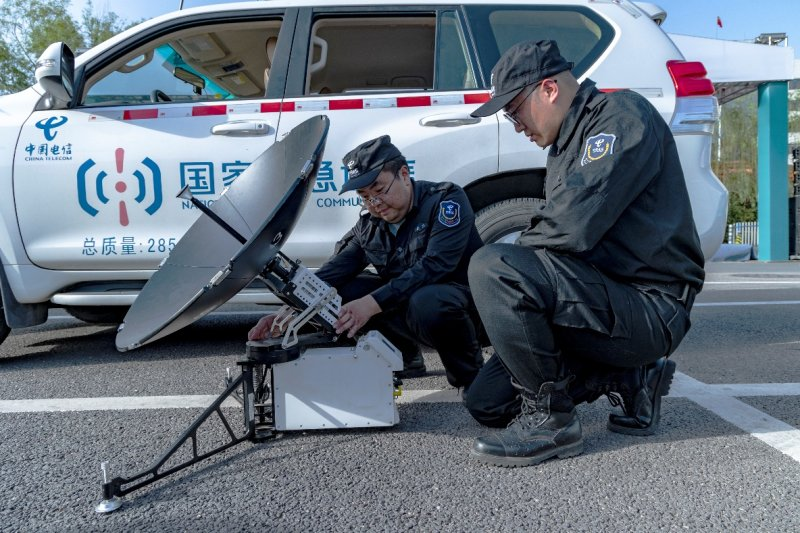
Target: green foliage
pixel 97 29
pixel 735 153
pixel 741 209
pixel 27 27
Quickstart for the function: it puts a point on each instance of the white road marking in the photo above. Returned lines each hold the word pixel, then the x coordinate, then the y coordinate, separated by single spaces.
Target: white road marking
pixel 262 313
pixel 734 304
pixel 114 403
pixel 215 313
pixel 199 401
pixel 738 281
pixel 720 399
pixel 429 396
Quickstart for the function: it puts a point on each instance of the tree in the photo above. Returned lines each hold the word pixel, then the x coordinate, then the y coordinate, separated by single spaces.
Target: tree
pixel 97 29
pixel 735 159
pixel 27 27
pixel 735 151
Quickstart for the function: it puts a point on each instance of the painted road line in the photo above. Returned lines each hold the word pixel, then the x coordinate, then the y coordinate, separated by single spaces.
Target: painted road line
pixel 733 304
pixel 743 390
pixel 262 313
pixel 199 401
pixel 720 400
pixel 683 387
pixel 429 396
pixel 794 279
pixel 113 403
pixel 215 313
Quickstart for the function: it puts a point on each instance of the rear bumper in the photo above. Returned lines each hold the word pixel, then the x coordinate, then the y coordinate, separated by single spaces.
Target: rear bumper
pixel 708 195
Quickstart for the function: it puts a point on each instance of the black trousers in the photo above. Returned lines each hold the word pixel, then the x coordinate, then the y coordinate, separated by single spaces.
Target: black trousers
pixel 549 315
pixel 438 316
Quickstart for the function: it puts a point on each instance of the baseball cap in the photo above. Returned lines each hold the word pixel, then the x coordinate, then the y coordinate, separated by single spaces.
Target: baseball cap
pixel 366 161
pixel 523 64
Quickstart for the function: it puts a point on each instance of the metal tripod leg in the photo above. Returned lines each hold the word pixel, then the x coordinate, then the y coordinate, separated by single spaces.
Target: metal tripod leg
pixel 120 486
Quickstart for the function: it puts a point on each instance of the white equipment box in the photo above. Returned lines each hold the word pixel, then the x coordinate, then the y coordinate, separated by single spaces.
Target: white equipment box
pixel 342 387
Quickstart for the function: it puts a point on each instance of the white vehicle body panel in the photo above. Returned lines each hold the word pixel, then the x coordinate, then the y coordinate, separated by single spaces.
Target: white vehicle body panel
pixel 101 208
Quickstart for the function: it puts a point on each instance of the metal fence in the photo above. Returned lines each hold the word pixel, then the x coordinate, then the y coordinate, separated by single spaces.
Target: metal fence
pixel 742 233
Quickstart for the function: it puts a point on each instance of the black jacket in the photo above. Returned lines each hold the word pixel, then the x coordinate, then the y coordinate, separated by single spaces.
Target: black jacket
pixel 615 194
pixel 433 245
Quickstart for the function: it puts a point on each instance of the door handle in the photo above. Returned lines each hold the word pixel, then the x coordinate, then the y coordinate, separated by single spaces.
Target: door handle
pixel 448 120
pixel 242 128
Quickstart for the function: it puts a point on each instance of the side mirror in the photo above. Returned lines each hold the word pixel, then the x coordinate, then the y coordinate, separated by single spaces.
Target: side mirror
pixel 191 78
pixel 55 70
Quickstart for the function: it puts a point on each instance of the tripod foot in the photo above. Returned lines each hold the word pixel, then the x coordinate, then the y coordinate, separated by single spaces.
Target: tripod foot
pixel 108 506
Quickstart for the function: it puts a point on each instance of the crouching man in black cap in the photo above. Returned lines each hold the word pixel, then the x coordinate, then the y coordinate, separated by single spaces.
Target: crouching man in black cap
pixel 597 291
pixel 419 236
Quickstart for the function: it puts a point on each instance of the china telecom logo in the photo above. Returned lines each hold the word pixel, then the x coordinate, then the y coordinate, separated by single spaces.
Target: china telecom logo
pixel 49 125
pixel 96 187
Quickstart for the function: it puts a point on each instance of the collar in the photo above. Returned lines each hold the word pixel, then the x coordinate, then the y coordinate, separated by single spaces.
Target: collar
pixel 583 99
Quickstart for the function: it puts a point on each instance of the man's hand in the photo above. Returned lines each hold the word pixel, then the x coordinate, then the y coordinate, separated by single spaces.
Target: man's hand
pixel 263 329
pixel 353 315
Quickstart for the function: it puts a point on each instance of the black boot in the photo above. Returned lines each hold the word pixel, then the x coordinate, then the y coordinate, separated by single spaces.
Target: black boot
pixel 580 392
pixel 546 427
pixel 413 366
pixel 641 399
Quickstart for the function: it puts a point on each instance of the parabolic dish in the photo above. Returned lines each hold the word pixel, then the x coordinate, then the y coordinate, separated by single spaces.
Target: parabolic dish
pixel 208 266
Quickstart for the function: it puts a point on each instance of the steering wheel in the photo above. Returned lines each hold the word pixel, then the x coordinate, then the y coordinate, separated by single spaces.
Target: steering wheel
pixel 159 96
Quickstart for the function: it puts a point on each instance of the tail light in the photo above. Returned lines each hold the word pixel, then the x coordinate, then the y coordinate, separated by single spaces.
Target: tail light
pixel 690 78
pixel 696 107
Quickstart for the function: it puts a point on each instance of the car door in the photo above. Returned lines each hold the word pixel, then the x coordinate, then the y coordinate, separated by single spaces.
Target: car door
pixel 177 103
pixel 404 71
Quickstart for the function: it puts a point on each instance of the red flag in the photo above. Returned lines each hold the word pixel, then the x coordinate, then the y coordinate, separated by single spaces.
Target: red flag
pixel 719 22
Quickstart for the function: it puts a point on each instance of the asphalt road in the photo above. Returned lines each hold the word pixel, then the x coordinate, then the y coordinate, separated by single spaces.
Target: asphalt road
pixel 727 456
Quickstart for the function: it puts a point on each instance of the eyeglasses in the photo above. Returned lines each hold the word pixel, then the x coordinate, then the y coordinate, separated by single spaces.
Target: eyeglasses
pixel 377 198
pixel 512 115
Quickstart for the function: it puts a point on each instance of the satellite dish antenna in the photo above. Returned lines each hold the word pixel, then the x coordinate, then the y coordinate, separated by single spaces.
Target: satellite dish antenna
pixel 296 383
pixel 232 241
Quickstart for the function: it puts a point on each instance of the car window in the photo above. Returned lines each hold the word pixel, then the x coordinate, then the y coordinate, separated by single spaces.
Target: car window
pixel 217 62
pixel 581 34
pixel 453 67
pixel 368 54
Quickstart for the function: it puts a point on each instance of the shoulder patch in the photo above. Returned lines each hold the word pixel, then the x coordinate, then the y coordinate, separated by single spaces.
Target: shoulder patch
pixel 449 213
pixel 597 147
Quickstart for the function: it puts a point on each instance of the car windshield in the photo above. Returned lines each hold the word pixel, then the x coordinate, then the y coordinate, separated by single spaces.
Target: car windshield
pixel 133 83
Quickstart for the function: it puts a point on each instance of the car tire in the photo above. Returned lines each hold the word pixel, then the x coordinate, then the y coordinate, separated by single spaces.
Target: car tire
pixel 99 315
pixel 503 221
pixel 4 329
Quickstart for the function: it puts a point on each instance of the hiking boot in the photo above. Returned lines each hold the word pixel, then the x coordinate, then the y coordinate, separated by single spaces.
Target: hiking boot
pixel 413 367
pixel 546 427
pixel 580 391
pixel 641 403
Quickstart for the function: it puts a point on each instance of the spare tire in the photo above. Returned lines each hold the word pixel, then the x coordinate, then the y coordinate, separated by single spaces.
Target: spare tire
pixel 503 221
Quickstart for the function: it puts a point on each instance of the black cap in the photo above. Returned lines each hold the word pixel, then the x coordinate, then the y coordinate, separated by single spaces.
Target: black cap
pixel 366 161
pixel 523 64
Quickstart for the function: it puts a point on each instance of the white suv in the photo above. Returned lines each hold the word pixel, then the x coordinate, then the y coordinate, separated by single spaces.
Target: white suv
pixel 92 156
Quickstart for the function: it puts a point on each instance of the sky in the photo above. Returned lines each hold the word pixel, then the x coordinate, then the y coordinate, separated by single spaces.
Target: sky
pixel 742 20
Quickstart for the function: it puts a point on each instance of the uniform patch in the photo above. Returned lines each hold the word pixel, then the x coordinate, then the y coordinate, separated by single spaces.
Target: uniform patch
pixel 597 147
pixel 449 213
